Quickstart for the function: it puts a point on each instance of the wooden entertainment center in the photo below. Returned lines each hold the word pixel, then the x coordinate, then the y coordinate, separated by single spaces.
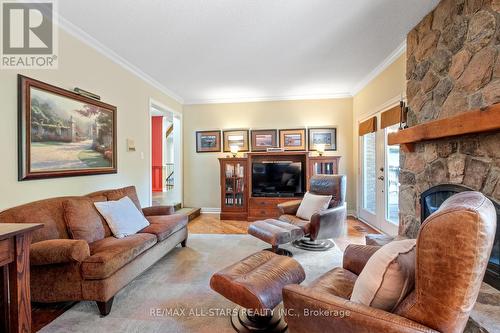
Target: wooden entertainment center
pixel 237 201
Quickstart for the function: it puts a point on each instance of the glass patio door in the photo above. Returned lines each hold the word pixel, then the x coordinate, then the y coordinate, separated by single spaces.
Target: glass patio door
pixel 379 179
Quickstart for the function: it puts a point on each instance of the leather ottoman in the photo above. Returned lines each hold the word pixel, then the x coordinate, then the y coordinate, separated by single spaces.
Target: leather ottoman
pixel 256 283
pixel 276 233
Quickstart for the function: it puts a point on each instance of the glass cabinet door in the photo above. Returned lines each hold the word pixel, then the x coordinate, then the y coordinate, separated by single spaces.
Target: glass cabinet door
pixel 323 168
pixel 234 185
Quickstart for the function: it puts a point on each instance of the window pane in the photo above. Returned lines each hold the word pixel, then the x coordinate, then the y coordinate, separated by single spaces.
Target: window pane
pixel 369 175
pixel 392 184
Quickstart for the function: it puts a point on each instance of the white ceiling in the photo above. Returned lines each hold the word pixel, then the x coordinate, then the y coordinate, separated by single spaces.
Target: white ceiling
pixel 232 50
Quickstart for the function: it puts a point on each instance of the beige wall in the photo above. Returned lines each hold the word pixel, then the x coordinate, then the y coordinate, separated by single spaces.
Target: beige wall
pixel 82 66
pixel 201 171
pixel 382 92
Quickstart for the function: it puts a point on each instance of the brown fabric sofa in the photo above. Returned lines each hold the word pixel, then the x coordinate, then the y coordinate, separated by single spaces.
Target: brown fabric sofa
pixel 95 268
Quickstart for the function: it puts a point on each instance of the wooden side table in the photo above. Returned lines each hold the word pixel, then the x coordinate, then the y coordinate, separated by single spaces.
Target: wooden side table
pixel 15 298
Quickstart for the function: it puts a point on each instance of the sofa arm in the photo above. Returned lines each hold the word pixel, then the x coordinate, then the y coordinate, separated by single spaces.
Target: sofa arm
pixel 328 223
pixel 315 311
pixel 158 210
pixel 57 251
pixel 356 256
pixel 289 207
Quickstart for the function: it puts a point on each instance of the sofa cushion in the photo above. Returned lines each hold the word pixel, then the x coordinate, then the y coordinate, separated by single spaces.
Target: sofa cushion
pixel 129 191
pixel 122 216
pixel 388 276
pixel 164 226
pixel 312 204
pixel 110 254
pixel 83 219
pixel 49 212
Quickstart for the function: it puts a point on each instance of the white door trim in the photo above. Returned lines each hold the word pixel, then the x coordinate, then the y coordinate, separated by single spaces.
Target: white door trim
pixel 380 138
pixel 161 107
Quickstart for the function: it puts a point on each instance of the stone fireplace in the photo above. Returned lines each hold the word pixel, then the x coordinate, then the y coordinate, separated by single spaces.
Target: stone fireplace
pixel 453 66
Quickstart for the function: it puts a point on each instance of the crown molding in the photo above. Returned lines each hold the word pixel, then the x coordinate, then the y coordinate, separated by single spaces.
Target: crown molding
pixel 268 98
pixel 380 68
pixel 363 83
pixel 113 56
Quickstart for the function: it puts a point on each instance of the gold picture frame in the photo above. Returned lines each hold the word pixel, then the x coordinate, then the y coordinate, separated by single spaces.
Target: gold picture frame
pixel 235 137
pixel 293 139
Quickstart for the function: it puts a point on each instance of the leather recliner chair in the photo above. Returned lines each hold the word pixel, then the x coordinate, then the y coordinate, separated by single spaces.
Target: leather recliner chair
pixel 323 225
pixel 453 247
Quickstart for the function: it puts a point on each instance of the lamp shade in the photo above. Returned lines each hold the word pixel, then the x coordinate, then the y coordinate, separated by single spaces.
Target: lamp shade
pixel 320 148
pixel 234 149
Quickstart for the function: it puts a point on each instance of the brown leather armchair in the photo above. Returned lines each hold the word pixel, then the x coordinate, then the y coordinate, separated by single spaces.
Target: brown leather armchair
pixel 453 247
pixel 323 225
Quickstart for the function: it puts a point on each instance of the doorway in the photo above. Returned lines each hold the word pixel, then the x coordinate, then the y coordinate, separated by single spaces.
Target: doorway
pixel 379 175
pixel 166 155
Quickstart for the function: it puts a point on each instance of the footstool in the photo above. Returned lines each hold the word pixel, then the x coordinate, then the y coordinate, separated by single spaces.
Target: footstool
pixel 255 284
pixel 276 233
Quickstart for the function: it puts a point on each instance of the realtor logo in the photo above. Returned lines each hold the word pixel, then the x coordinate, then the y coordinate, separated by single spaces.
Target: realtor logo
pixel 29 35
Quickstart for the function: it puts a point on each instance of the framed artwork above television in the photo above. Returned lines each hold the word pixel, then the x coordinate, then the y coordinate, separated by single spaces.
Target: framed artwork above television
pixel 208 141
pixel 293 139
pixel 263 139
pixel 63 134
pixel 235 138
pixel 323 136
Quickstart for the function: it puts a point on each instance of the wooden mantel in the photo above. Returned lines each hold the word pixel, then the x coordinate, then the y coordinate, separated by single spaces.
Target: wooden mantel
pixel 476 121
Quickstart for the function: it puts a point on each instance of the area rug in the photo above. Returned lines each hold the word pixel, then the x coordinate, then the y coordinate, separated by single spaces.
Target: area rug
pixel 174 295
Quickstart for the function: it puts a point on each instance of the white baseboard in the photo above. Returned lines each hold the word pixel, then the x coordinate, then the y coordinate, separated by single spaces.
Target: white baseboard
pixel 214 210
pixel 210 210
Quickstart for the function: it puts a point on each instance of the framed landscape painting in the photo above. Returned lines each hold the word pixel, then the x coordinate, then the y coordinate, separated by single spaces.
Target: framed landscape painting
pixel 325 136
pixel 263 139
pixel 235 138
pixel 293 139
pixel 208 141
pixel 63 134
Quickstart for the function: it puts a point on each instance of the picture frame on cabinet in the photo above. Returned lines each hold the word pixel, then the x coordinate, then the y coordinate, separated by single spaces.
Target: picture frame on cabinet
pixel 326 136
pixel 237 138
pixel 261 140
pixel 293 139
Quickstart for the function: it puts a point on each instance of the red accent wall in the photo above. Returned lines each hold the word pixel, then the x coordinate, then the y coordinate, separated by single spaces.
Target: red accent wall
pixel 157 152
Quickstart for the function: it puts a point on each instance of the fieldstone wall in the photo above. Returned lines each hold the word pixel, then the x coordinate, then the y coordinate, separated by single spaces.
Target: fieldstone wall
pixel 453 66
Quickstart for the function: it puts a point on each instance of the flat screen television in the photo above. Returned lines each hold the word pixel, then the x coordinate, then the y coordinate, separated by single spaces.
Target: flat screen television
pixel 277 179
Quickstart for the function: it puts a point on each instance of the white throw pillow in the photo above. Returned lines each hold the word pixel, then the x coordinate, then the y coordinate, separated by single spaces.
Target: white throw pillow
pixel 122 216
pixel 388 276
pixel 311 204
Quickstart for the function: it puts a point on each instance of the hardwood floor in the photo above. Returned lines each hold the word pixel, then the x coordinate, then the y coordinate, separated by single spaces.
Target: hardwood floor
pixel 212 224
